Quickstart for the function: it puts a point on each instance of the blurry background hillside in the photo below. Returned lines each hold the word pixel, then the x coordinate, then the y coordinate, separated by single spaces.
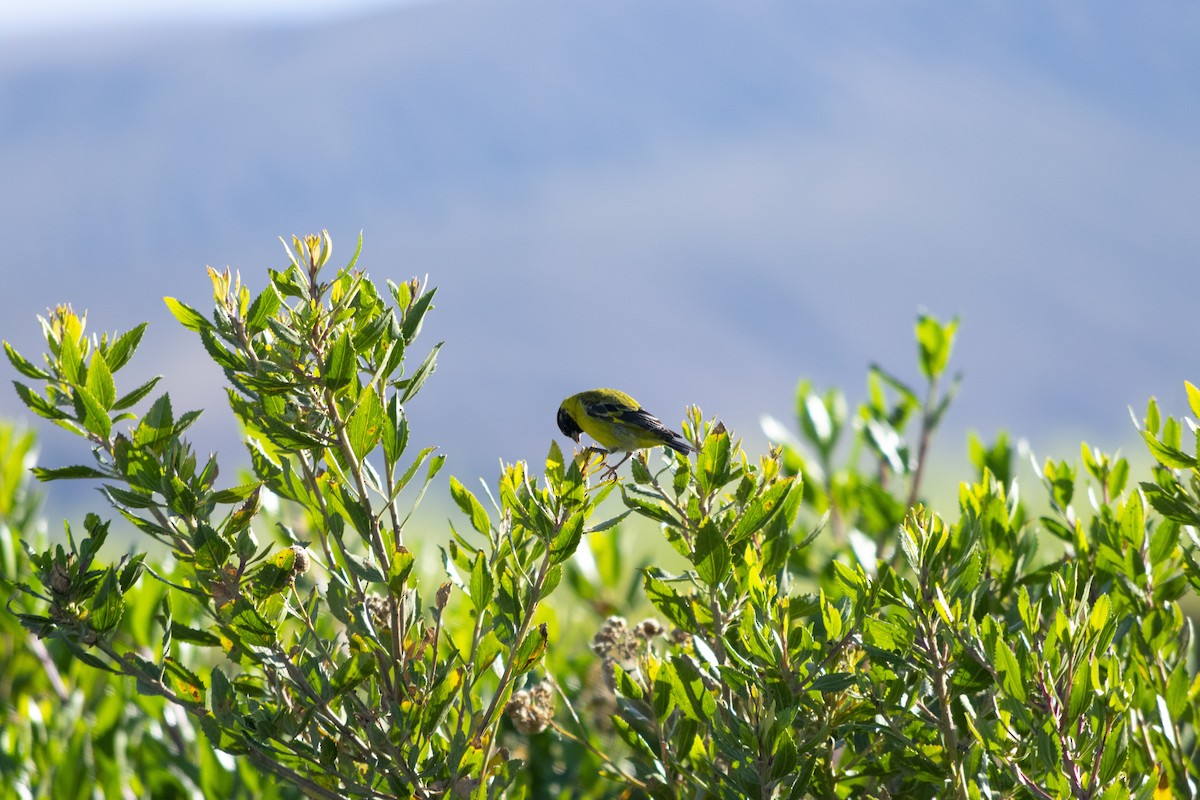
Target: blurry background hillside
pixel 698 202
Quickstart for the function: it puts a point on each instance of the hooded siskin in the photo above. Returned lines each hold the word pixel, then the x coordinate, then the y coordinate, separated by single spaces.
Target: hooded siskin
pixel 616 421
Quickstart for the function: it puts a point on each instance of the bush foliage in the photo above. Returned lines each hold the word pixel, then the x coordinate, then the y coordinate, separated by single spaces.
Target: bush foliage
pixel 826 635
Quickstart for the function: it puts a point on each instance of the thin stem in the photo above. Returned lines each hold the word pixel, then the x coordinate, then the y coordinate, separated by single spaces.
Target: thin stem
pixel 923 443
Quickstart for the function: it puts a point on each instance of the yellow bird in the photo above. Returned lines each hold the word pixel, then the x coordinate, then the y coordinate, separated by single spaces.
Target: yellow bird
pixel 617 422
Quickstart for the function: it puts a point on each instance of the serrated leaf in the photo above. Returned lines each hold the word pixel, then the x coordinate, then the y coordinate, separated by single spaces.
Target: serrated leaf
pixel 352 672
pixel 676 608
pixel 486 653
pixel 107 604
pixel 366 425
pixel 263 308
pixel 188 317
pixel 646 508
pixel 185 682
pixel 687 685
pixel 482 582
pixel 399 569
pixel 24 366
pixel 1167 455
pixel 136 396
pixel 760 511
pixel 470 506
pixel 123 347
pixel 66 473
pixel 530 653
pixel 38 404
pixel 566 539
pixel 711 556
pixel 183 633
pixel 248 624
pixel 95 416
pixel 211 550
pixel 1193 395
pixel 1009 670
pixel 426 368
pixel 156 424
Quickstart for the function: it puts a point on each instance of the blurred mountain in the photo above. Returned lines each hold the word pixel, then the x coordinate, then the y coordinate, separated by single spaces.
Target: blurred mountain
pixel 698 202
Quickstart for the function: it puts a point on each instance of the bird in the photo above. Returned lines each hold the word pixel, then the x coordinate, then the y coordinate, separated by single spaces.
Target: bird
pixel 617 422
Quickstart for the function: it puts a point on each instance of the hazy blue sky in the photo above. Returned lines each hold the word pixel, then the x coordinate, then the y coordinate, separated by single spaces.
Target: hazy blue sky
pixel 698 202
pixel 18 17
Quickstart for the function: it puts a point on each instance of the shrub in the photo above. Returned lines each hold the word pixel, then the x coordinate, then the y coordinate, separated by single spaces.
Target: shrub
pixel 829 635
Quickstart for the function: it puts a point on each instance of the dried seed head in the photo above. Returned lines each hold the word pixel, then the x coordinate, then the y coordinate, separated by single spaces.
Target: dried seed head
pixel 616 641
pixel 648 629
pixel 532 710
pixel 443 595
pixel 302 562
pixel 60 579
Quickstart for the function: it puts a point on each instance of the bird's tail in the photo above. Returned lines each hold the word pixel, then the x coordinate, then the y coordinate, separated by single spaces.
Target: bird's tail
pixel 678 444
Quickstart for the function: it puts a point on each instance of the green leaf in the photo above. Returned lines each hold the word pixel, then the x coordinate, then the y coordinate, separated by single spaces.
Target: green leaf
pixel 530 653
pixel 712 463
pixel 248 624
pixel 210 548
pixel 1167 455
pixel 1009 670
pixel 107 604
pixel 646 508
pixel 831 619
pixel 395 430
pixel 663 698
pixel 38 404
pixel 485 654
pixel 341 364
pixel 712 557
pixel 398 571
pixel 760 511
pixel 263 308
pixel 235 494
pixel 157 424
pixel 366 425
pixel 182 633
pixel 275 575
pixel 833 682
pixel 352 672
pixel 482 582
pixel 100 382
pixel 185 682
pixel 95 416
pixel 66 473
pixel 136 396
pixel 70 359
pixel 668 601
pixel 689 691
pixel 23 366
pixel 625 685
pixel 470 506
pixel 414 316
pixel 188 317
pixel 566 539
pixel 935 341
pixel 426 368
pixel 123 347
pixel 1193 395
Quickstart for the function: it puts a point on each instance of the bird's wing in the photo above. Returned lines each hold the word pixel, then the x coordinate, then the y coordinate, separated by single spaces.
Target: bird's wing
pixel 619 412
